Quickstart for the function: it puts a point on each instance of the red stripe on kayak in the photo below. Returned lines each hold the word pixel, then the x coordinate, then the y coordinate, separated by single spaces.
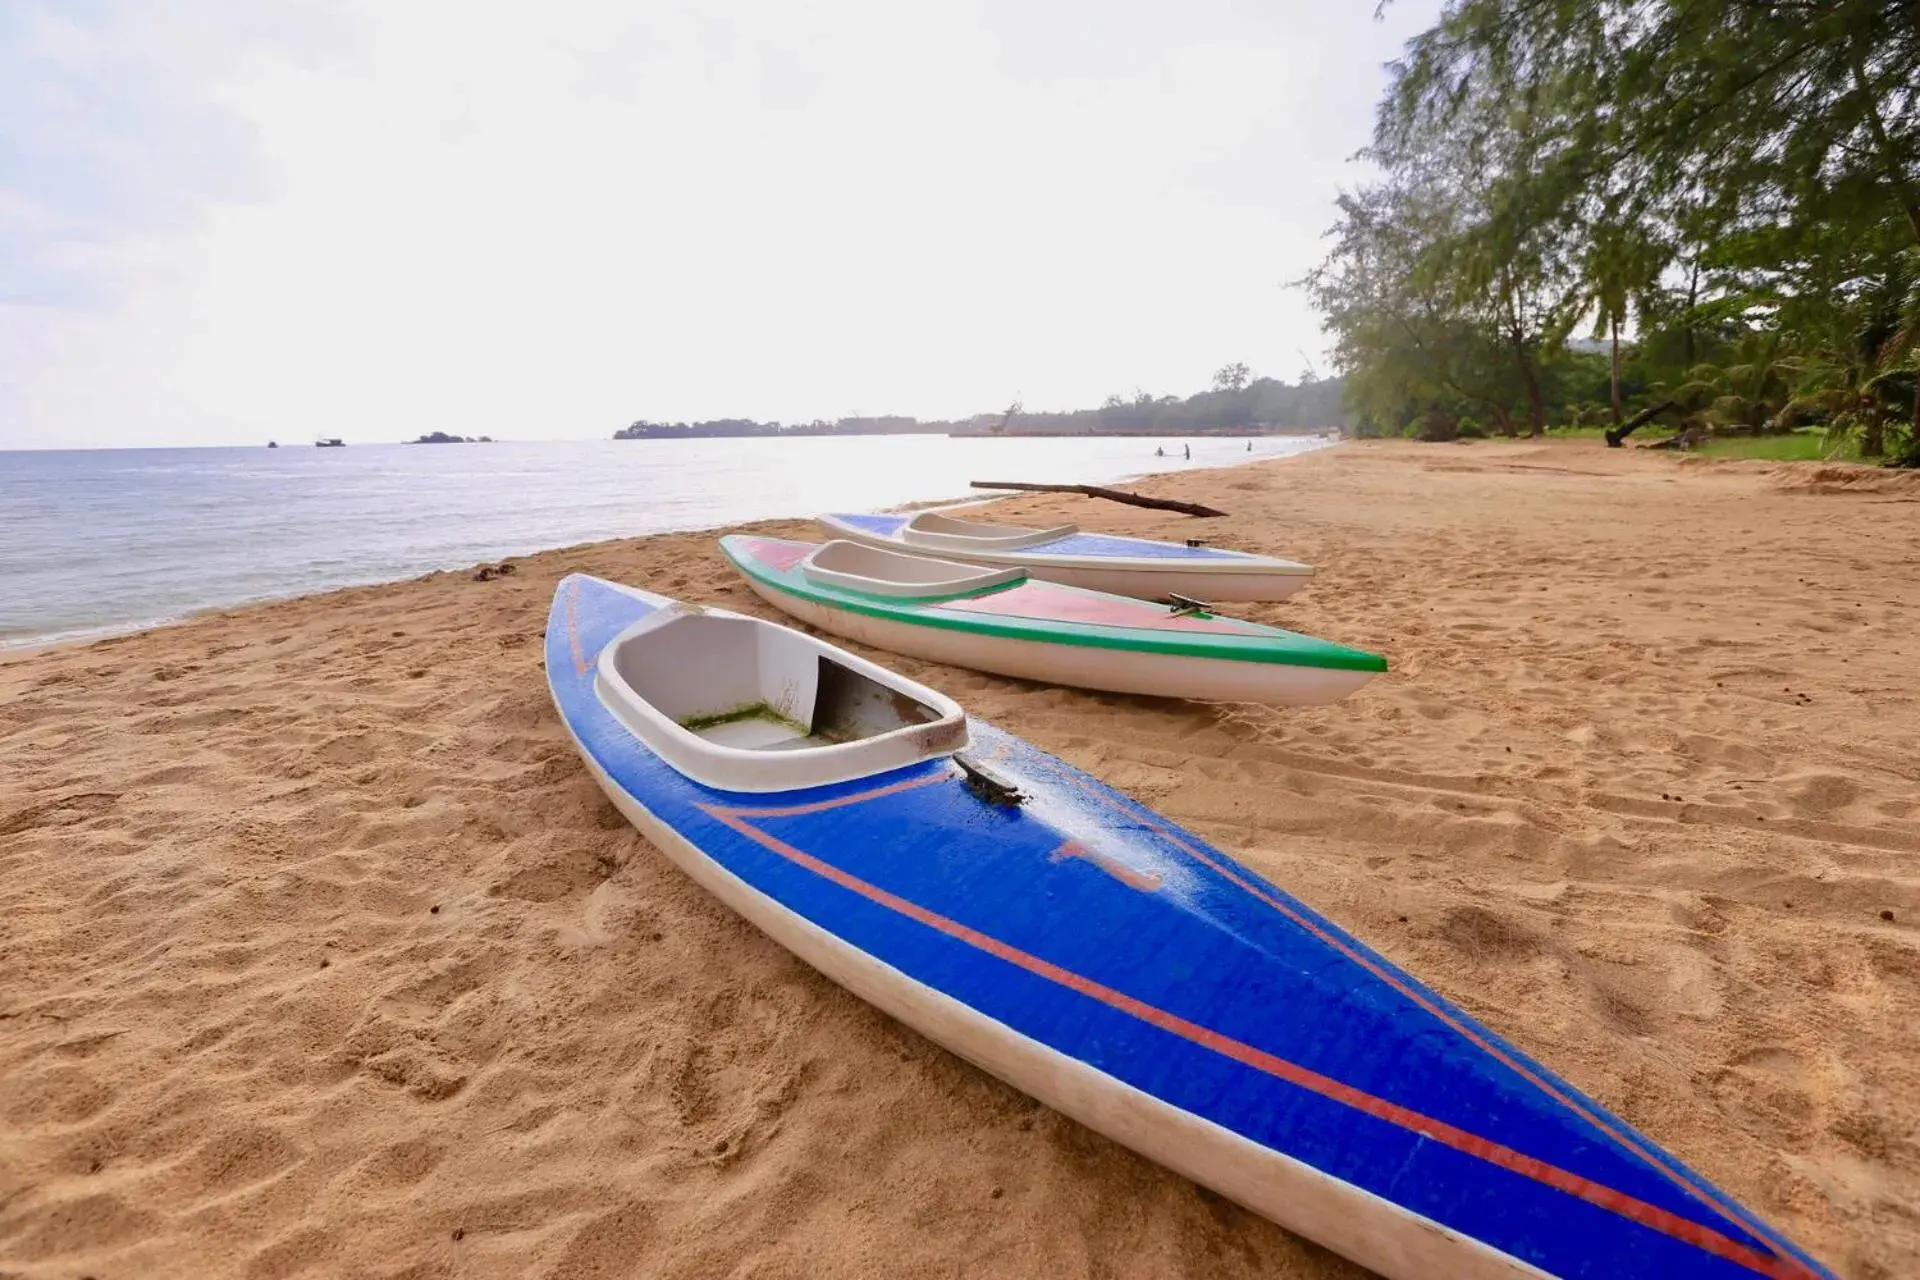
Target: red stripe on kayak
pixel 1625 1138
pixel 1595 1193
pixel 1051 602
pixel 776 553
pixel 573 627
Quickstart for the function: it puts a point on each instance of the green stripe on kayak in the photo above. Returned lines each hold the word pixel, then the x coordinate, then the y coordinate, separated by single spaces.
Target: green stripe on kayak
pixel 1269 644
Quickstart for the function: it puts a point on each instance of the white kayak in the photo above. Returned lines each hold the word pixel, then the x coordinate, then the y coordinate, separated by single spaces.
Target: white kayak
pixel 1138 567
pixel 1000 620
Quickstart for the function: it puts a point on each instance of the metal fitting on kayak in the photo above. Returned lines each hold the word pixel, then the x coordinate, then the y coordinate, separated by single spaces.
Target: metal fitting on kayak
pixel 988 783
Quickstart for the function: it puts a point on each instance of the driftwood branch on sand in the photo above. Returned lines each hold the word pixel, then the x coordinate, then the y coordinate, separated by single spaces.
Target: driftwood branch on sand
pixel 1097 491
pixel 1687 439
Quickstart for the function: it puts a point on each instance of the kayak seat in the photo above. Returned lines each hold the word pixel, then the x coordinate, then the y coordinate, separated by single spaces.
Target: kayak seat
pixel 874 571
pixel 745 705
pixel 934 531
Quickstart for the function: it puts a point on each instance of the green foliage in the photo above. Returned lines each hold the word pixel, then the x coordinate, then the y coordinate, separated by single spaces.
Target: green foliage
pixel 1748 391
pixel 1728 191
pixel 1420 332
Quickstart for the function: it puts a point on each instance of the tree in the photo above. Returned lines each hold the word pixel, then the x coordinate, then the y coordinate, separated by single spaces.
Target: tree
pixel 1441 285
pixel 1715 171
pixel 1408 352
pixel 1797 110
pixel 1862 375
pixel 1622 264
pixel 1748 393
pixel 1231 377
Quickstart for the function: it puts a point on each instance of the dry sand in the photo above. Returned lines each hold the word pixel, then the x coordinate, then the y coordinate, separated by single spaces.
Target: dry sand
pixel 321 954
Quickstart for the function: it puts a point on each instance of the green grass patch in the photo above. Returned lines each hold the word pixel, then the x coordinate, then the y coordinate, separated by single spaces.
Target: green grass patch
pixel 1800 446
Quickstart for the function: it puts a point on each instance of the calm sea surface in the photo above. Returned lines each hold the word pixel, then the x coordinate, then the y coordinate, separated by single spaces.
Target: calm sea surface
pixel 104 540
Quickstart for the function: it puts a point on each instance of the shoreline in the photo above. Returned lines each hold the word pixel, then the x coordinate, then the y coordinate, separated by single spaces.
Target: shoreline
pixel 12 650
pixel 330 954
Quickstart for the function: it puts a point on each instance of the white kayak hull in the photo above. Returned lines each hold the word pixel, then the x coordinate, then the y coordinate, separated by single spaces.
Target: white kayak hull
pixel 1079 666
pixel 1209 575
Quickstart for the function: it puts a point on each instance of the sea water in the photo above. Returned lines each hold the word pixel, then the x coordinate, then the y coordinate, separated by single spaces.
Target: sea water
pixel 96 541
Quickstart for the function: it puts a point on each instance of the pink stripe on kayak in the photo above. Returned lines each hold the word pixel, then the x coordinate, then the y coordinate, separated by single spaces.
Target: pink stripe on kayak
pixel 1051 602
pixel 777 553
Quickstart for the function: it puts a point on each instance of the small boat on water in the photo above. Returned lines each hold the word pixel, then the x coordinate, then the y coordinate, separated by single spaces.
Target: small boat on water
pixel 1136 567
pixel 1089 952
pixel 1001 620
pixel 330 442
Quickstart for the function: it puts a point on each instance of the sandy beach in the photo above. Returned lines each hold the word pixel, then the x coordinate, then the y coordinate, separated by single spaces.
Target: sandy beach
pixel 322 955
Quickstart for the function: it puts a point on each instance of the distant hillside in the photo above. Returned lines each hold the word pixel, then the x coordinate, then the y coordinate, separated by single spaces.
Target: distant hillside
pixel 891 426
pixel 1234 406
pixel 1263 404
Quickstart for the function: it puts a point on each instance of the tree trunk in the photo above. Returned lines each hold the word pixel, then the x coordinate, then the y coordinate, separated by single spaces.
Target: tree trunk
pixel 1873 437
pixel 1638 420
pixel 1693 300
pixel 1536 403
pixel 1616 373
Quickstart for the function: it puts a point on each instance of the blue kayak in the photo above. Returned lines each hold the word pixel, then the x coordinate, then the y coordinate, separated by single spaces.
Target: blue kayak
pixel 1115 967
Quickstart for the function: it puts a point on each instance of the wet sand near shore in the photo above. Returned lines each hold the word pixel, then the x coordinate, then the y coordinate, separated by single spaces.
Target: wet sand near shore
pixel 322 955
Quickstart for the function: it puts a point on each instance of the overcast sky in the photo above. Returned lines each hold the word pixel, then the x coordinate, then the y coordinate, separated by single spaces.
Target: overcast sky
pixel 228 220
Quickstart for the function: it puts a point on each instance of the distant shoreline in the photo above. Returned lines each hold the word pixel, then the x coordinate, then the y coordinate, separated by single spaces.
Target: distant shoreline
pixel 807 433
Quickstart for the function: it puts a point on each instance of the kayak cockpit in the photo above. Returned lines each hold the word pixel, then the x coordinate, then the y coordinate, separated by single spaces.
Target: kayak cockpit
pixel 877 572
pixel 936 532
pixel 738 704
